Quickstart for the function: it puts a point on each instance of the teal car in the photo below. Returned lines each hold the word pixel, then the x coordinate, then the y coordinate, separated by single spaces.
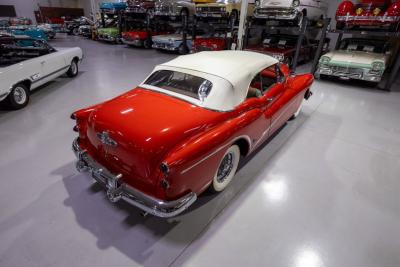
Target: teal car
pixel 32 32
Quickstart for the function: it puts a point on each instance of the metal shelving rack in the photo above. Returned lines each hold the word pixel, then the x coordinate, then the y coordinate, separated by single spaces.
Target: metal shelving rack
pixel 299 30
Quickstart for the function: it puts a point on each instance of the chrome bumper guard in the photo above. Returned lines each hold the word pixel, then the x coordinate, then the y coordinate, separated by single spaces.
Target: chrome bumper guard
pixel 117 190
pixel 382 19
pixel 277 14
pixel 136 42
pixel 358 74
pixel 165 46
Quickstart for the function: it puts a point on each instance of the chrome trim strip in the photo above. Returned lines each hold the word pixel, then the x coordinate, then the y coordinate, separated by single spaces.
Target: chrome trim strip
pixel 48 75
pixel 117 190
pixel 218 150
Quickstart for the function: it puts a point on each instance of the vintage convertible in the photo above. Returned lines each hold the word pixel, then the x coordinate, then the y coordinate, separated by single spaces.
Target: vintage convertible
pixel 213 108
pixel 357 58
pixel 27 63
pixel 367 13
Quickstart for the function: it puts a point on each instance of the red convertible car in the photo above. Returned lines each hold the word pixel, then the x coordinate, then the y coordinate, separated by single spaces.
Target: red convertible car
pixel 368 13
pixel 185 128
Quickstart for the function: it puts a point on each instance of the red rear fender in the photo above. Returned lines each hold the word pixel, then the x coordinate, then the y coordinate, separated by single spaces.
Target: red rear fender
pixel 193 163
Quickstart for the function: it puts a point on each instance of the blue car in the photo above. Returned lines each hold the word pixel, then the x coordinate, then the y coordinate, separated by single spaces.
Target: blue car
pixel 32 32
pixel 113 7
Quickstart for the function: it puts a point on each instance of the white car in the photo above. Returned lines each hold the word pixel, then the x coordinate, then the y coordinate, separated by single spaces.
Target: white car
pixel 26 63
pixel 359 59
pixel 175 8
pixel 290 9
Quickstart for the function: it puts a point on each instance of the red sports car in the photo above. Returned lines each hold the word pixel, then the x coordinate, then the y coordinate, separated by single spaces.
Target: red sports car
pixel 212 42
pixel 185 128
pixel 368 13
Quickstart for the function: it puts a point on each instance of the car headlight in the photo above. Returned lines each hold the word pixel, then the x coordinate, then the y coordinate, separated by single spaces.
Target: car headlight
pixel 325 60
pixel 377 66
pixel 257 3
pixel 223 9
pixel 296 3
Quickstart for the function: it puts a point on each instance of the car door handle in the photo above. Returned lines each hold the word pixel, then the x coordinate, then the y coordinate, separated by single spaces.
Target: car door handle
pixel 42 62
pixel 270 99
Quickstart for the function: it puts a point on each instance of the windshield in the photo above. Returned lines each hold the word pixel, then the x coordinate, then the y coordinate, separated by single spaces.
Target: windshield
pixel 364 46
pixel 182 83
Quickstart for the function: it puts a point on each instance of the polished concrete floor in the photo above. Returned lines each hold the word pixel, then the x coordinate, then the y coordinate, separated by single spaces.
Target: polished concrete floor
pixel 324 192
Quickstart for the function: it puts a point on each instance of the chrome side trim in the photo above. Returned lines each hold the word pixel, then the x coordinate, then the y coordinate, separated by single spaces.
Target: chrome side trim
pixel 218 150
pixel 117 190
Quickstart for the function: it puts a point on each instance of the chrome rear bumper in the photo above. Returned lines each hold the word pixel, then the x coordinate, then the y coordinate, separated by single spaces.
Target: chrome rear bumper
pixel 117 190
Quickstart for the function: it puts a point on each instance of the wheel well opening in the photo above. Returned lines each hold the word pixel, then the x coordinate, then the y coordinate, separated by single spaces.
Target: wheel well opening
pixel 243 145
pixel 27 83
pixel 75 59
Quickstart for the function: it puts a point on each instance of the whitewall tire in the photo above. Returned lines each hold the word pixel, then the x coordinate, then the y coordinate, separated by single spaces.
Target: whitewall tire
pixel 226 169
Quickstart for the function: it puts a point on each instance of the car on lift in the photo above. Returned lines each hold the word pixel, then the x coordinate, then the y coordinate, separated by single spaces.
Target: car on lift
pixel 291 10
pixel 142 37
pixel 27 63
pixel 174 42
pixel 109 34
pixel 143 7
pixel 229 9
pixel 112 7
pixel 213 41
pixel 174 8
pixel 283 48
pixel 368 13
pixel 357 58
pixel 213 108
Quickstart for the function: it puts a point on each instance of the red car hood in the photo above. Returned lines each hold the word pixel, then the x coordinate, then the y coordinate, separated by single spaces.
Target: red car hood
pixel 146 125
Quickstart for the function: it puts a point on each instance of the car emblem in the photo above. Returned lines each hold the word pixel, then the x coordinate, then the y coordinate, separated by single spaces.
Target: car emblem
pixel 106 139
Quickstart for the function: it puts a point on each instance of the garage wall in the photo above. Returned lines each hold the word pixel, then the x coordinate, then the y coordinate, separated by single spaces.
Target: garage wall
pixel 25 8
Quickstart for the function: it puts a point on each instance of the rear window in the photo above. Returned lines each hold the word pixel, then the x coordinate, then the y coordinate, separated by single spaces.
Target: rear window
pixel 181 83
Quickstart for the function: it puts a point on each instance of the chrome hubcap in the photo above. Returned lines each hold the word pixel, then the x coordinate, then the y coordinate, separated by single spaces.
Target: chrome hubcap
pixel 225 168
pixel 19 95
pixel 73 67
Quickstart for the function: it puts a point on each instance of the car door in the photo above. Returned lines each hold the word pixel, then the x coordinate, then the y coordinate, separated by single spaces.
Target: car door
pixel 277 104
pixel 53 64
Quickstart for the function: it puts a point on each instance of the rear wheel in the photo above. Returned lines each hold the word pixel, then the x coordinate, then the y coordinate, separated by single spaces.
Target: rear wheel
pixel 18 97
pixel 226 169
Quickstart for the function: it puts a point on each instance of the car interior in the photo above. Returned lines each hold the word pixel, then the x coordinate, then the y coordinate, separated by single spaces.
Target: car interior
pixel 13 50
pixel 263 81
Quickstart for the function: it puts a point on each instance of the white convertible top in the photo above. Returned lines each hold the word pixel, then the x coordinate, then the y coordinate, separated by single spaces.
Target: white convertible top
pixel 230 71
